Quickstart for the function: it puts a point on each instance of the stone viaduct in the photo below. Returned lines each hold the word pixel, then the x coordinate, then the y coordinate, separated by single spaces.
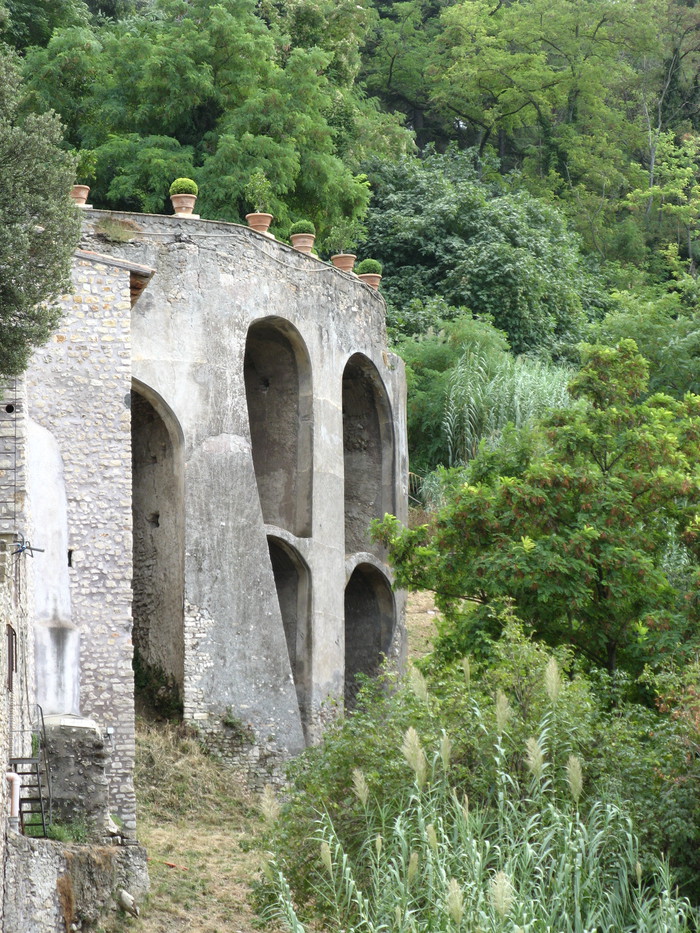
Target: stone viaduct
pixel 203 445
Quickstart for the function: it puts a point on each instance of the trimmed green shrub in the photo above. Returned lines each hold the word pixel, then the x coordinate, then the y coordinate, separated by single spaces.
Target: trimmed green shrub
pixel 184 186
pixel 369 266
pixel 302 226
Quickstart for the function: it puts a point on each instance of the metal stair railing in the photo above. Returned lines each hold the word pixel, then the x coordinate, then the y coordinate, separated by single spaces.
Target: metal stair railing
pixel 35 806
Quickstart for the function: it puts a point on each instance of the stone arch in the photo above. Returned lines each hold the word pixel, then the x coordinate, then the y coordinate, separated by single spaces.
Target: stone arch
pixel 158 512
pixel 293 584
pixel 370 614
pixel 368 445
pixel 278 386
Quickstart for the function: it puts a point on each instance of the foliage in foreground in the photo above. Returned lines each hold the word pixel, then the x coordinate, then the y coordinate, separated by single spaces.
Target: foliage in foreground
pixel 573 525
pixel 642 760
pixel 530 852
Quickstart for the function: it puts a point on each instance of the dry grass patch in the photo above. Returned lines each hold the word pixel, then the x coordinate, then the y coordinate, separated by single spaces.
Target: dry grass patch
pixel 420 624
pixel 199 824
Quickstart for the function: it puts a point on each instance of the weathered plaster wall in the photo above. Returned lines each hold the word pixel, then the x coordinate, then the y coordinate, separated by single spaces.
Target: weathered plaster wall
pixel 190 333
pixel 79 390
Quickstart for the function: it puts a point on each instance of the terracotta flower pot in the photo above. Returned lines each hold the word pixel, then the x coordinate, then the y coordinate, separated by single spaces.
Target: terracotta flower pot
pixel 370 278
pixel 303 241
pixel 344 261
pixel 183 203
pixel 259 222
pixel 79 193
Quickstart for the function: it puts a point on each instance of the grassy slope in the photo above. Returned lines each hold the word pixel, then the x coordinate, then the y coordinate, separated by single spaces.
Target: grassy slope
pixel 198 825
pixel 193 815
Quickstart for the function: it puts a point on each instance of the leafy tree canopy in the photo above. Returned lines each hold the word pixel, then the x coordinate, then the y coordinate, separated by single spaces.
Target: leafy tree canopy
pixel 439 229
pixel 213 92
pixel 573 525
pixel 39 226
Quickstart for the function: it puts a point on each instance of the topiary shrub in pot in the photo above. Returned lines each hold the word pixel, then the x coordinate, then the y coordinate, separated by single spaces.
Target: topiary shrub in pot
pixel 303 235
pixel 183 194
pixel 370 271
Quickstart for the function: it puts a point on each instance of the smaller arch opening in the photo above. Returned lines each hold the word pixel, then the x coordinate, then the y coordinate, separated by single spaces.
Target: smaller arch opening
pixel 158 553
pixel 370 613
pixel 293 585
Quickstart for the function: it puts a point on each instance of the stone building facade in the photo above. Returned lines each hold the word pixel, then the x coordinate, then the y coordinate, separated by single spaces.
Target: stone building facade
pixel 202 447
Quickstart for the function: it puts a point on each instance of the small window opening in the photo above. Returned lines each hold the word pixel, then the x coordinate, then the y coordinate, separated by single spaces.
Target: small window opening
pixel 154 519
pixel 9 409
pixel 70 557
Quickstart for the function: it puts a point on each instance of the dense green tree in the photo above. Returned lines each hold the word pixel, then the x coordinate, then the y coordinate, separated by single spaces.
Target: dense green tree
pixel 440 229
pixel 32 22
pixel 39 225
pixel 577 532
pixel 665 323
pixel 218 88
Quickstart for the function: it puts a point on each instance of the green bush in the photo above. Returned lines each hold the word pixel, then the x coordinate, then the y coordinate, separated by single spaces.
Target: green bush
pixel 302 226
pixel 525 847
pixel 369 266
pixel 638 760
pixel 184 186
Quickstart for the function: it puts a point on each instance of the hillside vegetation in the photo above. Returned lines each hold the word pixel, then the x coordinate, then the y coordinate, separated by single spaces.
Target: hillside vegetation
pixel 528 174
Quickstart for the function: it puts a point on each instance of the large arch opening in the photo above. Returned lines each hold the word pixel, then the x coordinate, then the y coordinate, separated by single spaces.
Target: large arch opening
pixel 368 445
pixel 293 584
pixel 158 480
pixel 369 625
pixel 277 373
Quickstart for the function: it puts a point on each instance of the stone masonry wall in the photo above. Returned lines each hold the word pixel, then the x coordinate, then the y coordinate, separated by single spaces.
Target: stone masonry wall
pixel 79 386
pixel 15 727
pixel 52 887
pixel 215 284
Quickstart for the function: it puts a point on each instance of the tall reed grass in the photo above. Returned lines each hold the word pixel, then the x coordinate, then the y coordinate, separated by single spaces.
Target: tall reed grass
pixel 483 397
pixel 537 860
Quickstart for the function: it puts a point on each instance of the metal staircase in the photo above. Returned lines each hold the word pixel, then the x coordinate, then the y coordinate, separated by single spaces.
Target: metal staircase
pixel 35 802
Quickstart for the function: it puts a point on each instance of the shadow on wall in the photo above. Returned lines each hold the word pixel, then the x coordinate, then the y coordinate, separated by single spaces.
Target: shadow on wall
pixel 279 394
pixel 158 551
pixel 368 443
pixel 370 613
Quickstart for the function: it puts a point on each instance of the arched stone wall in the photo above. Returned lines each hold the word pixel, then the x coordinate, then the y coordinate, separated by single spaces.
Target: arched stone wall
pixel 277 373
pixel 368 445
pixel 158 545
pixel 369 624
pixel 293 584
